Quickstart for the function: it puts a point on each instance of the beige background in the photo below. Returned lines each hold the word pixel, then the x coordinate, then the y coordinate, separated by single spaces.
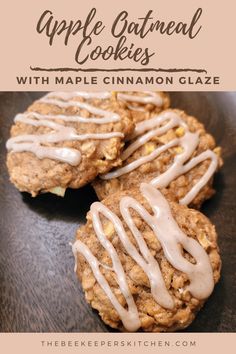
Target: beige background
pixel 213 49
pixel 216 343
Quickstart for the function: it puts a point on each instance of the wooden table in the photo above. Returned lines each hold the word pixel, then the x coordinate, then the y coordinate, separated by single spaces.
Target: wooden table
pixel 38 289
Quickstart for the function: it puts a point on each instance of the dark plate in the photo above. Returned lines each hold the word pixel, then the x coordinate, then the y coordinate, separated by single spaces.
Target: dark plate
pixel 38 289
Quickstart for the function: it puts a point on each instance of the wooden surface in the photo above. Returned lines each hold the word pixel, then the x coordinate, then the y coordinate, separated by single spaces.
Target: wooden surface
pixel 38 289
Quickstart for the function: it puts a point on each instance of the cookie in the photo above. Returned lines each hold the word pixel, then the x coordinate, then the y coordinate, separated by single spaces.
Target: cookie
pixel 66 139
pixel 170 150
pixel 146 262
pixel 143 104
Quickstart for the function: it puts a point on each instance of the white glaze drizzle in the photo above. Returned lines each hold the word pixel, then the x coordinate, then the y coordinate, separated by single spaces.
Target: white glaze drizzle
pixel 108 117
pixel 130 317
pixel 189 142
pixel 84 94
pixel 151 97
pixel 171 238
pixel 60 133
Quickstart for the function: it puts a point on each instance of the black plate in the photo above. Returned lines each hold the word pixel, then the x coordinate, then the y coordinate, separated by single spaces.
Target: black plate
pixel 38 289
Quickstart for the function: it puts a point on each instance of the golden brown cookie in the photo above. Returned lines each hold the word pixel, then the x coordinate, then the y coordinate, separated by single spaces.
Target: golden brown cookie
pixel 146 262
pixel 65 140
pixel 170 150
pixel 143 104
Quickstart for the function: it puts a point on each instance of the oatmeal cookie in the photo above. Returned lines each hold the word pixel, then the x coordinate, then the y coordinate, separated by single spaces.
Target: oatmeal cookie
pixel 143 104
pixel 170 150
pixel 145 261
pixel 65 139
